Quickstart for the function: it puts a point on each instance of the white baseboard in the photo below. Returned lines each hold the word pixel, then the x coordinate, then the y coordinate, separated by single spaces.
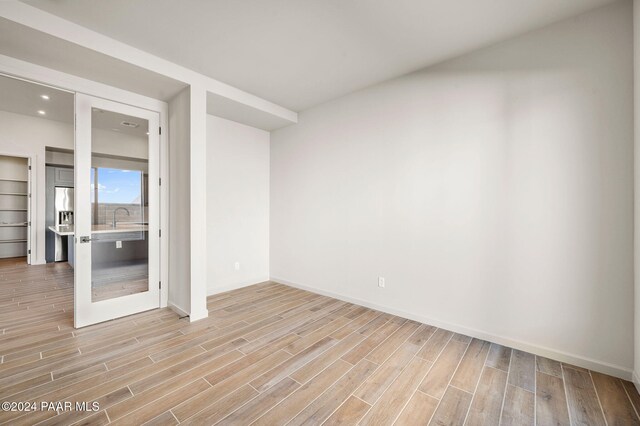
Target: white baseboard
pixel 636 380
pixel 591 364
pixel 225 288
pixel 178 310
pixel 192 316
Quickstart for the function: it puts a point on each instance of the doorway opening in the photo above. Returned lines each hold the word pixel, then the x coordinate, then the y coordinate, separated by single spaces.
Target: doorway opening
pixel 113 203
pixel 33 117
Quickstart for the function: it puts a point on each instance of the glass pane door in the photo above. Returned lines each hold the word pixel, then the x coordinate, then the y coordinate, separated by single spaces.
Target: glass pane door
pixel 117 247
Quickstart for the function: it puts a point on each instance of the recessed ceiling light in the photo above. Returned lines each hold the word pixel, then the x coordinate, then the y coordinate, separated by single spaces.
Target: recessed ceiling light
pixel 41 112
pixel 147 133
pixel 45 97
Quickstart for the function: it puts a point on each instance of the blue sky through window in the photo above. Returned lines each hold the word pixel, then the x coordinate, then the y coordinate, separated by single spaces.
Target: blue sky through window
pixel 119 186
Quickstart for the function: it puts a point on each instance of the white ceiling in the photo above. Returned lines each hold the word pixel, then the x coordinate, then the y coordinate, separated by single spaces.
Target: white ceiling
pixel 299 53
pixel 112 121
pixel 27 44
pixel 24 97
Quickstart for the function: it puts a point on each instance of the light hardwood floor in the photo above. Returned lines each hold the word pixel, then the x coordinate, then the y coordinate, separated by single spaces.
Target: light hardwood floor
pixel 271 354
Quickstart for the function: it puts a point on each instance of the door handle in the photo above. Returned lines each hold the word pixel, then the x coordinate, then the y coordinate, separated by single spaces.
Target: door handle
pixel 85 239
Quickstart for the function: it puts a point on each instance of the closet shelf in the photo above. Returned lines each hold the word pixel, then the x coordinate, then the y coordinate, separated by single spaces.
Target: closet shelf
pixel 13 225
pixel 21 194
pixel 12 241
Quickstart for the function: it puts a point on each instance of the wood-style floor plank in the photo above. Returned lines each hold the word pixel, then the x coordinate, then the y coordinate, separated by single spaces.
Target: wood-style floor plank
pixel 487 400
pixel 519 406
pixel 522 371
pixel 584 407
pixel 549 366
pixel 551 400
pixel 375 385
pixel 453 408
pixel 137 411
pixel 322 408
pixel 499 357
pixel 270 354
pixel 327 358
pixel 349 413
pixel 470 368
pixel 436 382
pixel 632 393
pixel 301 398
pixel 614 400
pixel 247 413
pixel 435 344
pixel 226 384
pixel 418 410
pixel 389 405
pixel 224 407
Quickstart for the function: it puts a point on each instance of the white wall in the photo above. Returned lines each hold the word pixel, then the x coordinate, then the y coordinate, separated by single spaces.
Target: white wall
pixel 119 144
pixel 198 200
pixel 188 203
pixel 179 204
pixel 493 192
pixel 237 204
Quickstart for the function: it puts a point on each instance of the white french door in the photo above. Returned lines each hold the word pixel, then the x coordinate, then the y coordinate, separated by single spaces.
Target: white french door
pixel 116 253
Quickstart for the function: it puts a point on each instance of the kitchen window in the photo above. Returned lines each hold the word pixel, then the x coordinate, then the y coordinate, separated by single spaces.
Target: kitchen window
pixel 112 189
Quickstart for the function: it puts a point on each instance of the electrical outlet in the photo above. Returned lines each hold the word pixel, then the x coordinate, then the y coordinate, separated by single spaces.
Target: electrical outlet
pixel 381 282
pixel 118 244
pixel 237 266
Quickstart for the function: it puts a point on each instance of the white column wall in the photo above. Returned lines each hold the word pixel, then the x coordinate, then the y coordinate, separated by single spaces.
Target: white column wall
pixel 198 214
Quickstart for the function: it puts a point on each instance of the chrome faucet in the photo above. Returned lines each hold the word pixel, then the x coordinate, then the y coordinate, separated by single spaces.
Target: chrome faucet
pixel 113 224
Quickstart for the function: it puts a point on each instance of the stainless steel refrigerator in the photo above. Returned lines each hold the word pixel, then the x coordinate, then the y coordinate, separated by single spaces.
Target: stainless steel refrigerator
pixel 63 215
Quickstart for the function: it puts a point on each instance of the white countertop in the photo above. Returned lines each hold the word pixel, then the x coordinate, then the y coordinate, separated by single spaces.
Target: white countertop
pixel 101 229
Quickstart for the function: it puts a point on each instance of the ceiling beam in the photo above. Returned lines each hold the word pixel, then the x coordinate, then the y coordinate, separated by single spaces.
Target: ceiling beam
pixel 55 26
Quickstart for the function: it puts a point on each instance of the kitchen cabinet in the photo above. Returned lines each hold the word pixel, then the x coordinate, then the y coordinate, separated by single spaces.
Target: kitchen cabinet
pixel 63 176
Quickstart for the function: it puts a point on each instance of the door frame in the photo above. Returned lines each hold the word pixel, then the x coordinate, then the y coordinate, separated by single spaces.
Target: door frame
pixel 15 68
